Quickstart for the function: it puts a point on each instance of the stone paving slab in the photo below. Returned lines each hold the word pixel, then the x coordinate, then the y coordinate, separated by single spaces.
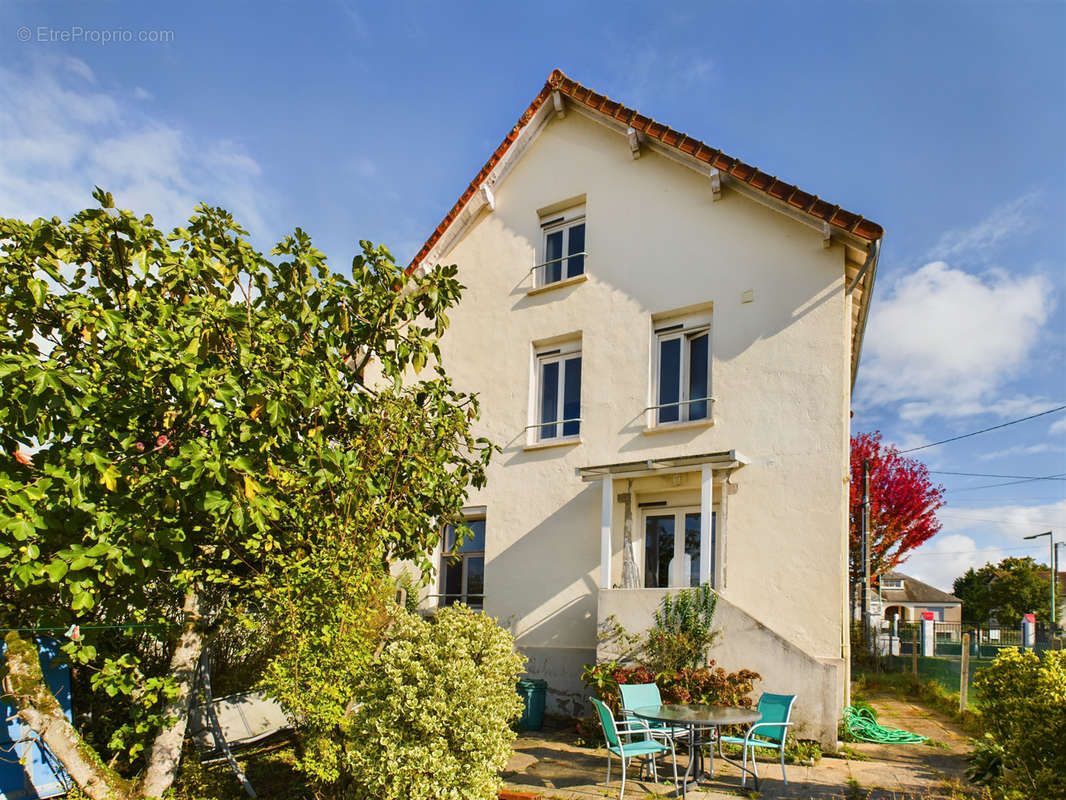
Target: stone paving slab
pixel 550 763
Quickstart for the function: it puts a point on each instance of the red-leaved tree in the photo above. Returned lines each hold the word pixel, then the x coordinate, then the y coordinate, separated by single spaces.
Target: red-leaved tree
pixel 903 504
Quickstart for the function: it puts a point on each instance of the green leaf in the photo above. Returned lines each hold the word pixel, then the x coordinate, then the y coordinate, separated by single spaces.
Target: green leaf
pixel 215 501
pixel 56 570
pixel 20 529
pixel 82 562
pixel 241 464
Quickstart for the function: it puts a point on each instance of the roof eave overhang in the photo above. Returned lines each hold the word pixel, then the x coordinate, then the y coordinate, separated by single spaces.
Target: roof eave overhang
pixel 867 285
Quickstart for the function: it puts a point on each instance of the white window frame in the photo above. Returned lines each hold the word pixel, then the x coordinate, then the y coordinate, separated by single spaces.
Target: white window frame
pixel 464 555
pixel 562 221
pixel 685 331
pixel 554 354
pixel 680 578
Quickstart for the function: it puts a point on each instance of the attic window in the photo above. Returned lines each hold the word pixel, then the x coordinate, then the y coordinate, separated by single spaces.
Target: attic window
pixel 563 248
pixel 891 583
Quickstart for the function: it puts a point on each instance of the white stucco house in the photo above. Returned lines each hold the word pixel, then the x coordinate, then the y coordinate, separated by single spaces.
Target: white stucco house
pixel 664 339
pixel 906 599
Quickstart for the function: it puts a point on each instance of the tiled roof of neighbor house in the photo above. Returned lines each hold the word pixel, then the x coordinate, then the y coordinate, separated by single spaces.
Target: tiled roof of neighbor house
pixel 736 169
pixel 913 591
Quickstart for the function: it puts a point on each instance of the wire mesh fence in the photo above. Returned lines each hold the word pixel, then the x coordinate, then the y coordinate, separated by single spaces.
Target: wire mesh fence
pixel 945 651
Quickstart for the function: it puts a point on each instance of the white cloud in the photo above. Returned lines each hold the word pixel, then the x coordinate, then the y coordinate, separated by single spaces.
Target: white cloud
pixel 1057 427
pixel 943 341
pixel 59 138
pixel 656 69
pixel 973 537
pixel 945 557
pixel 356 20
pixel 909 441
pixel 977 241
pixel 79 67
pixel 1006 407
pixel 363 167
pixel 1006 525
pixel 1020 450
pixel 140 93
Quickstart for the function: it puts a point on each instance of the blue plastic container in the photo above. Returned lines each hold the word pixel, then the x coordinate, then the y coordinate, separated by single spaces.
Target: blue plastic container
pixel 45 777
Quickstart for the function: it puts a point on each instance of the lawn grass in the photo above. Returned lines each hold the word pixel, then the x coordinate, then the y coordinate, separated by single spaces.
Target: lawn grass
pixel 904 687
pixel 270 768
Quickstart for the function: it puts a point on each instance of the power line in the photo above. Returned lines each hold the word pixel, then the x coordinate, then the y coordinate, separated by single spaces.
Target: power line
pixel 990 475
pixel 999 501
pixel 1027 523
pixel 983 430
pixel 1057 476
pixel 976 550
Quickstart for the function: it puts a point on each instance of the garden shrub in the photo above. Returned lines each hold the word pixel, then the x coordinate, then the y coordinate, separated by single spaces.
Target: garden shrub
pixel 682 631
pixel 435 713
pixel 709 685
pixel 1023 699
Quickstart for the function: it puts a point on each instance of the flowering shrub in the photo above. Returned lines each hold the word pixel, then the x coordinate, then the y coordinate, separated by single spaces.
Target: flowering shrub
pixel 434 723
pixel 710 685
pixel 1023 705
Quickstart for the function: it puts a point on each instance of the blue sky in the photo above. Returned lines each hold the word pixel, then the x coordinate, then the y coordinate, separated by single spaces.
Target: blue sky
pixel 944 122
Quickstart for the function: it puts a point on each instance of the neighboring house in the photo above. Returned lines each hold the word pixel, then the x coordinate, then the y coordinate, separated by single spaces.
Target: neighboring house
pixel 909 597
pixel 664 340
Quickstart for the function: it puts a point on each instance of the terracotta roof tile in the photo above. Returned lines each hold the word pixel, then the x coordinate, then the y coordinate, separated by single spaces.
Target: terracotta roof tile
pixel 914 591
pixel 557 81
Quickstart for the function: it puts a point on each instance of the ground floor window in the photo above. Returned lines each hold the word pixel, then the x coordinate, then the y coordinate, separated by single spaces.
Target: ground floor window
pixel 462 569
pixel 672 547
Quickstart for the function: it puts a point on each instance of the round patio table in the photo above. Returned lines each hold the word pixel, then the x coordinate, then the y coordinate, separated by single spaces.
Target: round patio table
pixel 693 716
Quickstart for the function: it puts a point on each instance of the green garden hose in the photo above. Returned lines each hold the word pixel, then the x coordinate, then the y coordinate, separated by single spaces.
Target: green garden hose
pixel 862 724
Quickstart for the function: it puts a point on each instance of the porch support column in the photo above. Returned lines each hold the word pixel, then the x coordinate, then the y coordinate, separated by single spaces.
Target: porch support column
pixel 706 507
pixel 607 507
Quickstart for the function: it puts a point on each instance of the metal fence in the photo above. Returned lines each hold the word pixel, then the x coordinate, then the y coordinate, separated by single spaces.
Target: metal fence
pixel 956 649
pixel 982 642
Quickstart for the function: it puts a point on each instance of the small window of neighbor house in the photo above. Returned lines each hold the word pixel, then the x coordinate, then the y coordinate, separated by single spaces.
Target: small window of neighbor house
pixel 563 249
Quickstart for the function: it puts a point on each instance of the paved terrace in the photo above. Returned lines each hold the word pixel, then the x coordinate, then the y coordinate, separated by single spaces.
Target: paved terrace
pixel 548 764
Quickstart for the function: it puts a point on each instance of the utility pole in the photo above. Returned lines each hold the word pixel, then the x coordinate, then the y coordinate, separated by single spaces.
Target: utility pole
pixel 1055 566
pixel 1054 577
pixel 866 549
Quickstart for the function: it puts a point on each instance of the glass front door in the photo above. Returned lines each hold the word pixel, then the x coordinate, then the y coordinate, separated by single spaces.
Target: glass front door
pixel 672 548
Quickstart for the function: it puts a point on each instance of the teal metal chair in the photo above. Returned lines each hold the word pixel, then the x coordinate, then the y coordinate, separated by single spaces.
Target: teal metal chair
pixel 768 733
pixel 636 695
pixel 614 732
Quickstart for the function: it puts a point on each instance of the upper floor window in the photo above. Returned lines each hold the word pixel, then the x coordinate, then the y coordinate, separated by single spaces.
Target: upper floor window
pixel 891 583
pixel 558 411
pixel 682 372
pixel 564 246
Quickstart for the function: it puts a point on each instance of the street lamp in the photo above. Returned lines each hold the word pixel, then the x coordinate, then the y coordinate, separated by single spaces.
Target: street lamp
pixel 1053 575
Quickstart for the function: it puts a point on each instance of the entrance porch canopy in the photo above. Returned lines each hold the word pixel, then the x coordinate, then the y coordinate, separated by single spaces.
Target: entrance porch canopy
pixel 726 459
pixel 706 464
